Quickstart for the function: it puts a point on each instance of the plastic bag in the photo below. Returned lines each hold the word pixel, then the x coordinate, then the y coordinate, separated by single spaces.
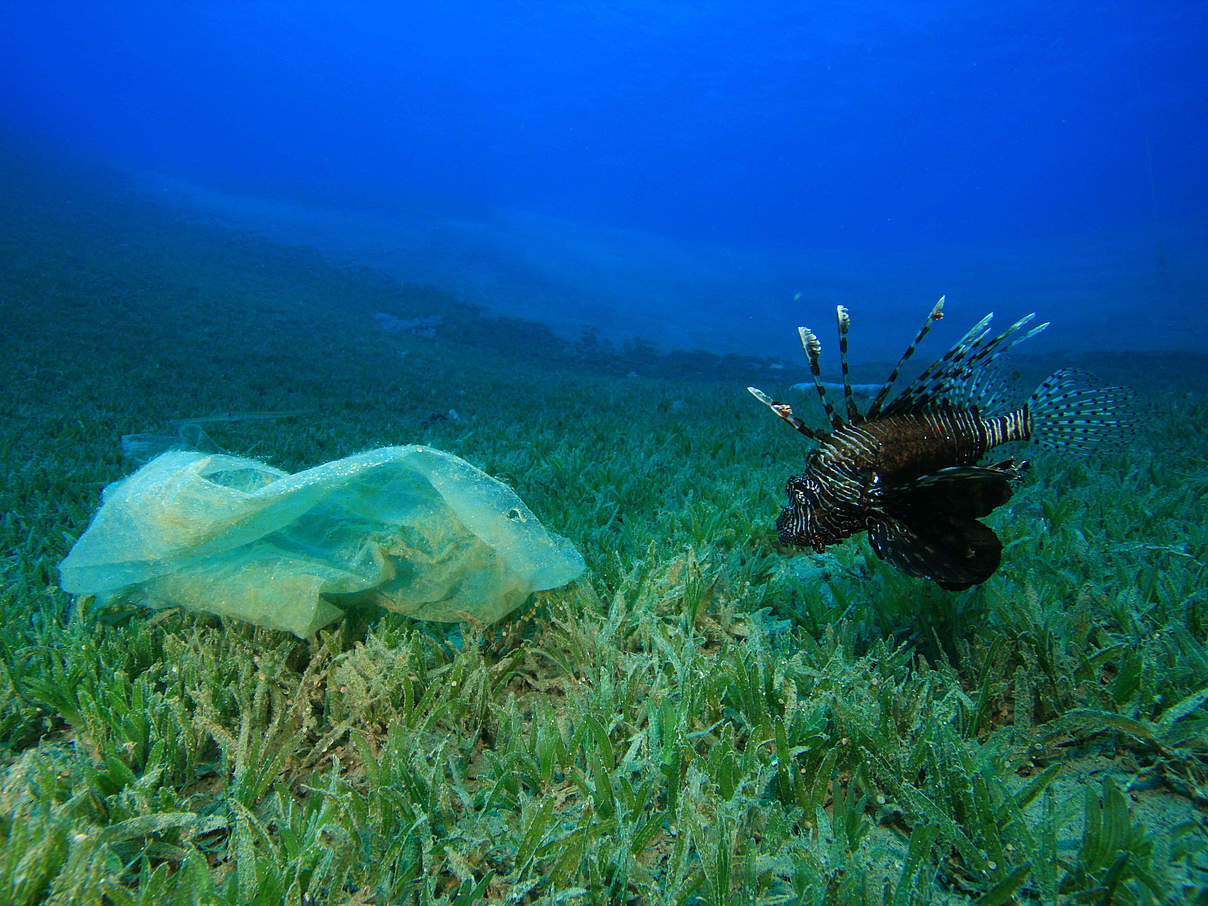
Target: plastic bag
pixel 412 529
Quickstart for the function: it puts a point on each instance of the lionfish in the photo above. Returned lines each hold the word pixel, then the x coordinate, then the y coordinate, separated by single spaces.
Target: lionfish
pixel 907 471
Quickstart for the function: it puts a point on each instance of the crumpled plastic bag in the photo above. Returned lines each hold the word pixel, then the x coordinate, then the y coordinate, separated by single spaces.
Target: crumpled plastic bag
pixel 412 529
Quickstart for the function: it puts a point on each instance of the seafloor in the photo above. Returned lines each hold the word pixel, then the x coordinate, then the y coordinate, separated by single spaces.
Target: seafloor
pixel 704 717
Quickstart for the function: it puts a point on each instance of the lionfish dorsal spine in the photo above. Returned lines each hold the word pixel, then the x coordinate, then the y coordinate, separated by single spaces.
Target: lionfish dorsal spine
pixel 785 411
pixel 813 350
pixel 963 376
pixel 1001 344
pixel 937 312
pixel 844 318
pixel 928 385
pixel 975 384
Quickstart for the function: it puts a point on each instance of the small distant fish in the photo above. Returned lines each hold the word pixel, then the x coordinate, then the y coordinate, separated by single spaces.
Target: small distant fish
pixel 906 472
pixel 239 417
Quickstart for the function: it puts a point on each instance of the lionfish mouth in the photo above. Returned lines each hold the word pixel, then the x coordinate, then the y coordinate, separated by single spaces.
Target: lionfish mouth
pixel 791 527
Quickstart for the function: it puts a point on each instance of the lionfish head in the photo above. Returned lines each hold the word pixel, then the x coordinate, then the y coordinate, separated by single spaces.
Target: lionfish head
pixel 798 523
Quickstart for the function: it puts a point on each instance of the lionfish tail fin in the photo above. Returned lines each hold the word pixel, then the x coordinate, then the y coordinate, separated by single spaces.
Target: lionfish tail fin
pixel 1074 412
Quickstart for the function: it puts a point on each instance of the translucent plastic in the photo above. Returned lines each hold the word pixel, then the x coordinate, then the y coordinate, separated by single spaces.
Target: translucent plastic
pixel 411 529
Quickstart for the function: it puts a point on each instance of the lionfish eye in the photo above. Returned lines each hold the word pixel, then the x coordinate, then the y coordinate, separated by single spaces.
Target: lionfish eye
pixel 802 493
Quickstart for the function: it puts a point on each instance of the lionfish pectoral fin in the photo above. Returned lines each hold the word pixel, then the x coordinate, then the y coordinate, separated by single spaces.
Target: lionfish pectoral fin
pixel 953 551
pixel 962 491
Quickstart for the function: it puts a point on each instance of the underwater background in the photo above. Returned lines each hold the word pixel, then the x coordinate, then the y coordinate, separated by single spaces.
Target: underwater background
pixel 559 240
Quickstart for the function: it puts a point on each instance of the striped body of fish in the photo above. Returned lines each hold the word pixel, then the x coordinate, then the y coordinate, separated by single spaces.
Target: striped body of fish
pixel 907 471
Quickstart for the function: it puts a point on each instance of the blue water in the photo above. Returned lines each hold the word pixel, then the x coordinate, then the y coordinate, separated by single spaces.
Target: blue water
pixel 679 171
